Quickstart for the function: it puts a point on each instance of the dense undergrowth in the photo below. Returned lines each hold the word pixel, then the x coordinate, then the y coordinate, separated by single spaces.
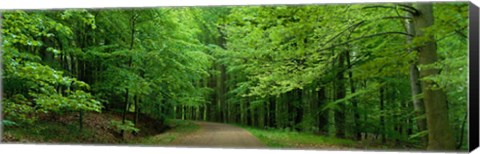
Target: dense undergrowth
pixel 64 129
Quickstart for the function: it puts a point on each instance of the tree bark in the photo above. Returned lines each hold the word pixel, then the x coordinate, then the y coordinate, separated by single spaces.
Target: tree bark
pixel 135 119
pixel 440 136
pixel 339 94
pixel 272 112
pixel 298 108
pixel 133 19
pixel 356 116
pixel 416 90
pixel 323 115
pixel 124 114
pixel 382 111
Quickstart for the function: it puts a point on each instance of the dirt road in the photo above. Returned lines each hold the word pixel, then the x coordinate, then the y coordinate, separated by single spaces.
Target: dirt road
pixel 219 135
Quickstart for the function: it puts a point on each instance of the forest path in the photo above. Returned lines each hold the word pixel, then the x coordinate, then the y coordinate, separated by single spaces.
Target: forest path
pixel 219 135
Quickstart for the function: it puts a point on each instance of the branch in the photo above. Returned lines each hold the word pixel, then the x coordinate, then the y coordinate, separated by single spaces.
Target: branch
pixel 414 12
pixel 364 37
pixel 411 8
pixel 404 23
pixel 343 31
pixel 354 26
pixel 397 17
pixel 458 31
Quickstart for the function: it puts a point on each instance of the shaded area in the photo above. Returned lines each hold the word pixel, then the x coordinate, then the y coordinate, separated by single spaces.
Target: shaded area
pixel 55 128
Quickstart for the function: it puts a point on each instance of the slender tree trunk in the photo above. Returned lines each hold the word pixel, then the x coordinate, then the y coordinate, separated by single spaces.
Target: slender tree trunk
pixel 278 120
pixel 356 116
pixel 272 112
pixel 298 108
pixel 252 115
pixel 214 95
pixel 183 112
pixel 322 115
pixel 124 114
pixel 261 116
pixel 223 80
pixel 416 90
pixel 135 119
pixel 132 40
pixel 205 113
pixel 197 113
pixel 440 135
pixel 242 115
pixel 462 130
pixel 382 112
pixel 267 115
pixel 339 94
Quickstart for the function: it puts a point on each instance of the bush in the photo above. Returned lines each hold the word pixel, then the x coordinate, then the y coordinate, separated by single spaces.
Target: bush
pixel 128 126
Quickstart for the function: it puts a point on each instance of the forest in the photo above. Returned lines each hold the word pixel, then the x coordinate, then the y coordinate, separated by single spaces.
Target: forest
pixel 386 74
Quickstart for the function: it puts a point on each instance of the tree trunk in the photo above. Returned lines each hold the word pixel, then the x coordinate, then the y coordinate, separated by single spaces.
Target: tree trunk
pixel 416 90
pixel 440 136
pixel 124 114
pixel 382 112
pixel 223 78
pixel 298 108
pixel 214 95
pixel 242 113
pixel 183 112
pixel 356 116
pixel 135 119
pixel 339 94
pixel 272 112
pixel 205 112
pixel 322 115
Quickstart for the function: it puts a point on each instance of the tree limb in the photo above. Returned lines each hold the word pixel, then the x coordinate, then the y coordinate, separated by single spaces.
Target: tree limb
pixel 458 31
pixel 397 17
pixel 413 9
pixel 364 37
pixel 343 31
pixel 414 12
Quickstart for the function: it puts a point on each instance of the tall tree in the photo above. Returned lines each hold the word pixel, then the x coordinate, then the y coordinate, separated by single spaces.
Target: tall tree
pixel 440 136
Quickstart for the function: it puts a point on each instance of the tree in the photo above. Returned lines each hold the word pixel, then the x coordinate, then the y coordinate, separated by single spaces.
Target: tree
pixel 440 136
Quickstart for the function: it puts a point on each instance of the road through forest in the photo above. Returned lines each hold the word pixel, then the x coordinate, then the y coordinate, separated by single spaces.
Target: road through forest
pixel 213 134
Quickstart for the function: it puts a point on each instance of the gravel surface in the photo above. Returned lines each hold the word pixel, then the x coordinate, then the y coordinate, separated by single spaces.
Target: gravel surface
pixel 219 135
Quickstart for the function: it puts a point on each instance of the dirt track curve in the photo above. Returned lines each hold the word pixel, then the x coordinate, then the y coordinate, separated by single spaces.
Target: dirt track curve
pixel 219 135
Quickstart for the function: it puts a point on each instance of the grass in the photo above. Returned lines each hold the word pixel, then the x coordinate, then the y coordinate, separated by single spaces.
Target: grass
pixel 287 139
pixel 179 127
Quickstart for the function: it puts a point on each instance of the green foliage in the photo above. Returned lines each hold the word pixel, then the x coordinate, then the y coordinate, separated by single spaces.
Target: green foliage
pixel 300 66
pixel 33 85
pixel 119 126
pixel 8 123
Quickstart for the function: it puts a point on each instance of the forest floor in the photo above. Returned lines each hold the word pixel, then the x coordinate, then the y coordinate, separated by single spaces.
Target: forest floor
pixel 218 135
pixel 64 129
pixel 203 135
pixel 185 133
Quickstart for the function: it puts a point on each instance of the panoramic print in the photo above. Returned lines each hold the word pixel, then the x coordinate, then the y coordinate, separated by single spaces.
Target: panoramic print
pixel 386 76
